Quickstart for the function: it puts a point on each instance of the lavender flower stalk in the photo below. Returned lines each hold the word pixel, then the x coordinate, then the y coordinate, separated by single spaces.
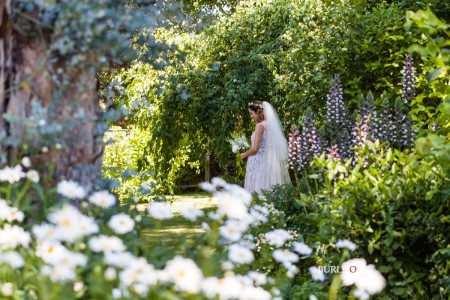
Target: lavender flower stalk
pixel 405 123
pixel 310 142
pixel 337 114
pixel 293 148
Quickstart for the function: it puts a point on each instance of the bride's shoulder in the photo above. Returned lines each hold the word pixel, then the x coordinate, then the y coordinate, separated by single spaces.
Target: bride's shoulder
pixel 262 124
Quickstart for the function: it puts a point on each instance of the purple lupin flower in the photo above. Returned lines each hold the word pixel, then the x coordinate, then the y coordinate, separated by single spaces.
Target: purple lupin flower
pixel 293 148
pixel 337 113
pixel 363 130
pixel 334 153
pixel 408 82
pixel 361 134
pixel 383 129
pixel 405 124
pixel 310 143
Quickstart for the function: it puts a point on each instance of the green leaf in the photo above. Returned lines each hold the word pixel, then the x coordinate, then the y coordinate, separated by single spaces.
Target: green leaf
pixel 434 74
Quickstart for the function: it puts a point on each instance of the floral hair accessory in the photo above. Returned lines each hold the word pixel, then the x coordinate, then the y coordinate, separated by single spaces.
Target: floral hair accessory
pixel 259 105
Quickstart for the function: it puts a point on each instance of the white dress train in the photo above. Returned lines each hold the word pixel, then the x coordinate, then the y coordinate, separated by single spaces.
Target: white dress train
pixel 261 172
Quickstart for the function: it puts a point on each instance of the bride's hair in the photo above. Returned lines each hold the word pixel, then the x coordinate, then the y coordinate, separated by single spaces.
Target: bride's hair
pixel 258 107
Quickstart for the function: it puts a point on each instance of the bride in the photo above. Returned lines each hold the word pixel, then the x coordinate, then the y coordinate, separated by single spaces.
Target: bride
pixel 268 155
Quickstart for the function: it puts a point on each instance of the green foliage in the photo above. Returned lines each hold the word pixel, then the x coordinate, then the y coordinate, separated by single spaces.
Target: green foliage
pixel 389 209
pixel 434 54
pixel 284 51
pixel 122 152
pixel 393 204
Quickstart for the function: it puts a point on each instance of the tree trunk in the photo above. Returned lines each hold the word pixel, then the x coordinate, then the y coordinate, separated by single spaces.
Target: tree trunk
pixel 68 96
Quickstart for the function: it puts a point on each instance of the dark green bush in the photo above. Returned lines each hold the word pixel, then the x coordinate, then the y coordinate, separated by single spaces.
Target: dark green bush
pixel 396 209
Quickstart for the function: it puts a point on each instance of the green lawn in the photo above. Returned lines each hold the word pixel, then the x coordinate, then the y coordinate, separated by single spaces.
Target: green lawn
pixel 177 229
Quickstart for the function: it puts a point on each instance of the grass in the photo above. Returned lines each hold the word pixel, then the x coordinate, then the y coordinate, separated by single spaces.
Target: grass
pixel 177 230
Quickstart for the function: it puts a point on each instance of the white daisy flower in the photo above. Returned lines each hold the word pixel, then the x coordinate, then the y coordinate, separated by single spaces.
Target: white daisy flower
pixel 33 176
pixel 71 189
pixel 258 278
pixel 71 224
pixel 59 273
pixel 370 280
pixel 231 207
pixel 71 259
pixel 119 259
pixel 103 243
pixel 116 293
pixel 277 237
pixel 239 193
pixel 141 289
pixel 210 287
pixel 13 259
pixel 245 280
pixel 254 293
pixel 350 269
pixel 302 248
pixel 248 241
pixel 9 213
pixel 292 270
pixel 26 162
pixel 364 277
pixel 229 288
pixel 190 212
pixel 360 294
pixel 4 209
pixel 121 223
pixel 240 255
pixel 44 231
pixel 138 271
pixel 78 286
pixel 214 216
pixel 7 289
pixel 185 274
pixel 15 215
pixel 205 226
pixel 240 225
pixel 259 213
pixel 12 175
pixel 13 236
pixel 316 273
pixel 103 199
pixel 50 251
pixel 160 210
pixel 285 257
pixel 206 186
pixel 110 274
pixel 230 233
pixel 87 225
pixel 346 244
pixel 219 182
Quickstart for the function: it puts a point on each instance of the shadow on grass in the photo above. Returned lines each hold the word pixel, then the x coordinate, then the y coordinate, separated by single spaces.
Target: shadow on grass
pixel 178 233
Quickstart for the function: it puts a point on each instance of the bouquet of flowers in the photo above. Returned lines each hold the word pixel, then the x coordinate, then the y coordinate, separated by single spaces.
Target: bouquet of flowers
pixel 238 142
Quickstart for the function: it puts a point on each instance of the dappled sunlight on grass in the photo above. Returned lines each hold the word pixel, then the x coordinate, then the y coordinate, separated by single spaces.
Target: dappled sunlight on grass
pixel 178 229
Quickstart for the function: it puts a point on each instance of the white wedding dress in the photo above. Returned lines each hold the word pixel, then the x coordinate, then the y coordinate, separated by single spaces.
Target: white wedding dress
pixel 256 168
pixel 268 166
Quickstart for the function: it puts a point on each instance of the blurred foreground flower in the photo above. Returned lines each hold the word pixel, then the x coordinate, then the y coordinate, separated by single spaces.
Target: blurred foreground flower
pixel 71 189
pixel 160 211
pixel 364 277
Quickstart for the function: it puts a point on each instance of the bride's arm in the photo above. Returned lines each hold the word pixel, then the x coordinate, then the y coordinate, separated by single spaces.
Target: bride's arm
pixel 259 130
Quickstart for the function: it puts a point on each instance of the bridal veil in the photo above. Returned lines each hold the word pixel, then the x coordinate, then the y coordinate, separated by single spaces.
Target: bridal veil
pixel 277 149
